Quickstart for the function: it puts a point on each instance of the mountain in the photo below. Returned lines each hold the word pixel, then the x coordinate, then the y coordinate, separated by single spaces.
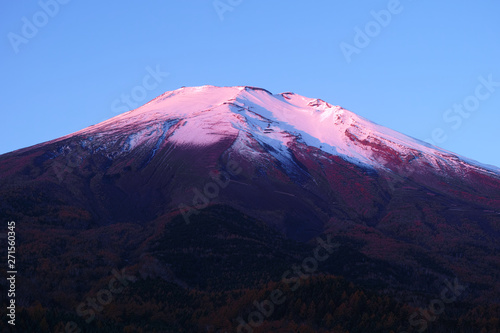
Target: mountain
pixel 210 193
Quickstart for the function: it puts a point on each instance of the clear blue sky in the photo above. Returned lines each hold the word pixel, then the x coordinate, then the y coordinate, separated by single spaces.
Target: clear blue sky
pixel 406 74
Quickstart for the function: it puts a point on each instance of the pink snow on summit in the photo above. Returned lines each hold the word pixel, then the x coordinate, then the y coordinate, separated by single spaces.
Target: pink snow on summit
pixel 207 114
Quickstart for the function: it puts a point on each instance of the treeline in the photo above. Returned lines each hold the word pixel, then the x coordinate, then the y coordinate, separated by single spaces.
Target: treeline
pixel 319 304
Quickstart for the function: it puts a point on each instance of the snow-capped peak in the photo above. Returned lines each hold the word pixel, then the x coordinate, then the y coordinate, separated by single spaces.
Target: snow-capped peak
pixel 207 114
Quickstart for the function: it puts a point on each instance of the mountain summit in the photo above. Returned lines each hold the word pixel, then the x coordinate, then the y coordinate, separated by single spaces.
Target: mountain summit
pixel 202 116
